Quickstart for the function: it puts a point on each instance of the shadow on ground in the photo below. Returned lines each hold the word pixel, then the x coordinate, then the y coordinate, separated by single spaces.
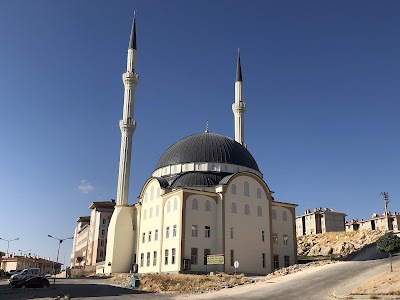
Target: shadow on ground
pixel 367 253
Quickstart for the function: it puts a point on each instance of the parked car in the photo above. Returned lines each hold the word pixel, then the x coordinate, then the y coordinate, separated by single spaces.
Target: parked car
pixel 13 272
pixel 13 281
pixel 27 272
pixel 33 282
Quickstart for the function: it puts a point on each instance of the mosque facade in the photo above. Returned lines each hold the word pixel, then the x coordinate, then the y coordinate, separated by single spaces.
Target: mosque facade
pixel 204 207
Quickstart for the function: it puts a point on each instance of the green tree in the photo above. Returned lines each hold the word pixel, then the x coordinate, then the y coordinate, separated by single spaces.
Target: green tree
pixel 389 243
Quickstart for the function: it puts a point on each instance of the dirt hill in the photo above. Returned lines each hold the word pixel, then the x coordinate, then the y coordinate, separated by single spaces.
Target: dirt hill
pixel 337 244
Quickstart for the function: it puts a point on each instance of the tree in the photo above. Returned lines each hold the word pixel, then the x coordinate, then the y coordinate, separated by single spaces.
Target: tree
pixel 389 243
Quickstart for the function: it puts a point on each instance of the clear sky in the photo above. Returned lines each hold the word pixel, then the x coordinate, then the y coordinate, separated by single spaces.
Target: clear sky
pixel 321 83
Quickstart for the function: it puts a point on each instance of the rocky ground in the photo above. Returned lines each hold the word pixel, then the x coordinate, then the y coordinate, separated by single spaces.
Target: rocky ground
pixel 335 244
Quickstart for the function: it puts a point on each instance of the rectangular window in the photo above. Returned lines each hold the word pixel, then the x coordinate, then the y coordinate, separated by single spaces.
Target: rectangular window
pixel 104 221
pixel 173 255
pixel 287 261
pixel 232 257
pixel 285 239
pixel 149 236
pixel 156 235
pixel 103 232
pixel 101 253
pixel 143 237
pixel 193 256
pixel 141 259
pixel 263 260
pixel 148 259
pixel 167 232
pixel 275 238
pixel 195 230
pixel 166 257
pixel 263 236
pixel 174 231
pixel 231 233
pixel 207 232
pixel 154 258
pixel 276 262
pixel 206 252
pixel 102 243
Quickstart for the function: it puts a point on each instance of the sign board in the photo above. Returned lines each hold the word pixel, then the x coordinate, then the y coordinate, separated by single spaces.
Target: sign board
pixel 236 264
pixel 216 259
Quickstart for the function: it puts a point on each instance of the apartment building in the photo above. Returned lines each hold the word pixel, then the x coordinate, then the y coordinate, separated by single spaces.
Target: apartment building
pixel 20 262
pixel 319 221
pixel 389 222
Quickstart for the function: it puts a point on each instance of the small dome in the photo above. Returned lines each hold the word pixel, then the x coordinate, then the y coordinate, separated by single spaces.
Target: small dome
pixel 207 147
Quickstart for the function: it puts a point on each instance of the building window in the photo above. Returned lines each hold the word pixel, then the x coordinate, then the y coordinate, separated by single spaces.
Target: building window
pixel 141 259
pixel 232 257
pixel 148 260
pixel 174 231
pixel 287 261
pixel 246 189
pixel 208 205
pixel 104 221
pixel 274 214
pixel 247 209
pixel 276 262
pixel 101 253
pixel 173 255
pixel 275 238
pixel 263 260
pixel 154 258
pixel 193 256
pixel 263 236
pixel 149 236
pixel 156 235
pixel 167 232
pixel 231 233
pixel 207 232
pixel 144 214
pixel 233 208
pixel 103 232
pixel 195 230
pixel 151 213
pixel 166 257
pixel 285 239
pixel 157 210
pixel 195 204
pixel 258 193
pixel 259 211
pixel 206 253
pixel 284 216
pixel 102 243
pixel 143 237
pixel 233 189
pixel 175 204
pixel 168 206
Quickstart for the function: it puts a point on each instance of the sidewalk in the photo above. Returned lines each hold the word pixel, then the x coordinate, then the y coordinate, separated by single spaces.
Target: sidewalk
pixel 344 292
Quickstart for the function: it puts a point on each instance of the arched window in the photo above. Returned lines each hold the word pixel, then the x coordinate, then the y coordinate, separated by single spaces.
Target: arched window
pixel 258 193
pixel 208 205
pixel 284 216
pixel 168 206
pixel 259 211
pixel 247 209
pixel 233 208
pixel 233 189
pixel 195 204
pixel 175 204
pixel 151 213
pixel 152 193
pixel 246 189
pixel 274 214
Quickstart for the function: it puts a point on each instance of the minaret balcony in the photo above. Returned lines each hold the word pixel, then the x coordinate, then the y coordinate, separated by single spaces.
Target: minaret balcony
pixel 130 77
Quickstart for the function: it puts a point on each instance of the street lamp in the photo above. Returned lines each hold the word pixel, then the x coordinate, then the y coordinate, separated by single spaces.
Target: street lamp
pixel 8 243
pixel 23 264
pixel 58 251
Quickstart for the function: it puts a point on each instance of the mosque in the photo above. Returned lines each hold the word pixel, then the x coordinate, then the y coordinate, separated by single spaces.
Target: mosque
pixel 204 208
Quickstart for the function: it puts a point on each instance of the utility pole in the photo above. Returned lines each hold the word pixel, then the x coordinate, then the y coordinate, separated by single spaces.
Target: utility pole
pixel 386 201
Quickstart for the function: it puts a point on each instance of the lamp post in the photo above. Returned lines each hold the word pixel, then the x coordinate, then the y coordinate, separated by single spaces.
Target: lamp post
pixel 58 252
pixel 8 243
pixel 24 256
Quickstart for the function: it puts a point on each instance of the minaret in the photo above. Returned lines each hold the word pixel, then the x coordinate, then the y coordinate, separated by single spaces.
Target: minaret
pixel 127 125
pixel 239 107
pixel 121 232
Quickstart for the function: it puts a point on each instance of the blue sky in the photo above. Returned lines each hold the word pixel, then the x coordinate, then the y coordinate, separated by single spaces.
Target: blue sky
pixel 321 83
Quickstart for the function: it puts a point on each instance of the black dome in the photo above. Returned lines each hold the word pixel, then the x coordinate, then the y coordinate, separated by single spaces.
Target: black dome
pixel 193 179
pixel 207 147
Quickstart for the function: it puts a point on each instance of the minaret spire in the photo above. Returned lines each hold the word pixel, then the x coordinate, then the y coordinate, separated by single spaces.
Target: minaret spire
pixel 239 107
pixel 132 40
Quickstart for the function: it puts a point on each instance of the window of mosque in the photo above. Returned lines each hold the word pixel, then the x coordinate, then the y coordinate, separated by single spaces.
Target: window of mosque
pixel 154 258
pixel 141 259
pixel 232 257
pixel 258 193
pixel 166 257
pixel 152 193
pixel 156 235
pixel 233 189
pixel 263 235
pixel 143 237
pixel 193 256
pixel 285 239
pixel 149 236
pixel 173 255
pixel 208 205
pixel 157 210
pixel 274 216
pixel 175 204
pixel 195 230
pixel 263 260
pixel 168 206
pixel 148 260
pixel 151 213
pixel 259 211
pixel 195 204
pixel 284 216
pixel 247 209
pixel 246 189
pixel 167 232
pixel 233 208
pixel 174 230
pixel 231 233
